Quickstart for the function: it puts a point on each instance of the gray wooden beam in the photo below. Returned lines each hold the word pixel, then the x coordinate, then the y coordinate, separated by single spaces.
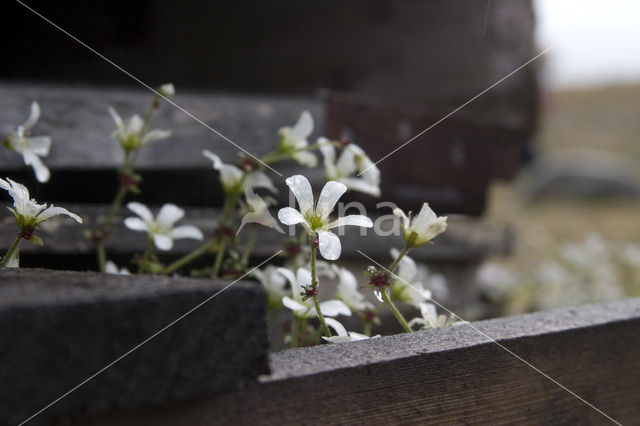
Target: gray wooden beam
pixel 448 376
pixel 59 328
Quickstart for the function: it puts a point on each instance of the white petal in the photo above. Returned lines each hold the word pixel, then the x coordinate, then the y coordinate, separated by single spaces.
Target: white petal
pixel 141 210
pixel 155 135
pixel 187 231
pixel 42 172
pixel 136 224
pixel 353 336
pixel 351 220
pixel 337 327
pixel 346 164
pixel 117 119
pixel 303 277
pixel 40 145
pixel 329 196
pixel 288 274
pixel 167 90
pixel 34 115
pixel 217 163
pixel 110 267
pixel 329 244
pixel 162 242
pixel 303 128
pixel 424 219
pixel 296 307
pixel 405 220
pixel 347 280
pixel 305 158
pixel 135 125
pixel 54 211
pixel 290 216
pixel 301 188
pixel 360 185
pixel 259 179
pixel 169 214
pixel 5 185
pixel 333 308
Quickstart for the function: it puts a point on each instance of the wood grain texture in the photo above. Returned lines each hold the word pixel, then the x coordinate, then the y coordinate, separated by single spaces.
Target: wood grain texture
pixel 450 376
pixel 59 328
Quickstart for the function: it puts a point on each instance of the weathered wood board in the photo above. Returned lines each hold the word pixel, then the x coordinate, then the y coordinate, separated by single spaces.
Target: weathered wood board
pixel 450 376
pixel 59 328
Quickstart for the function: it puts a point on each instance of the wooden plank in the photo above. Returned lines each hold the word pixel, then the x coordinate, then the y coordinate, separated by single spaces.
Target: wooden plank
pixel 447 376
pixel 59 328
pixel 465 239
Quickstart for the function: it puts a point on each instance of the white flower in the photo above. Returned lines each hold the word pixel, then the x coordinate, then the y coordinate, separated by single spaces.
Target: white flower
pixel 306 308
pixel 274 283
pixel 167 90
pixel 405 288
pixel 27 211
pixel 294 140
pixel 348 292
pixel 423 228
pixel 112 268
pixel 161 229
pixel 315 218
pixel 343 335
pixel 353 159
pixel 258 211
pixel 133 135
pixel 430 318
pixel 31 148
pixel 233 178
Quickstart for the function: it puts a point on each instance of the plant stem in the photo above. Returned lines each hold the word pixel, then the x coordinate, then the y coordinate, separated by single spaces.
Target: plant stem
pixel 396 312
pixel 217 264
pixel 367 328
pixel 190 257
pixel 249 246
pixel 11 252
pixel 395 263
pixel 314 284
pixel 104 228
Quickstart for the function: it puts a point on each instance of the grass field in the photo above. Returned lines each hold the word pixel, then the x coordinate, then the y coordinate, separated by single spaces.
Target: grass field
pixel 604 120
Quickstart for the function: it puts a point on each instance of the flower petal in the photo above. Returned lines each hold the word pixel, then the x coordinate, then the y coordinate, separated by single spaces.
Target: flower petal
pixel 305 158
pixel 290 216
pixel 42 172
pixel 40 145
pixel 288 274
pixel 333 308
pixel 337 327
pixel 260 180
pixel 351 220
pixel 162 242
pixel 301 189
pixel 360 185
pixel 303 277
pixel 296 307
pixel 187 231
pixel 303 128
pixel 117 119
pixel 346 164
pixel 136 224
pixel 34 115
pixel 329 196
pixel 168 215
pixel 141 210
pixel 155 135
pixel 329 244
pixel 54 211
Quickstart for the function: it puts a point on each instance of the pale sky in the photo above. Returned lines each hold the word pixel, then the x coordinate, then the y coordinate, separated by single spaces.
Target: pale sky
pixel 599 41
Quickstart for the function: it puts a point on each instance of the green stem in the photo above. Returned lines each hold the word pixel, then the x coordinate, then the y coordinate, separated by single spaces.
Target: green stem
pixel 190 257
pixel 249 246
pixel 314 284
pixel 102 256
pixel 11 252
pixel 367 328
pixel 398 259
pixel 106 226
pixel 396 312
pixel 218 262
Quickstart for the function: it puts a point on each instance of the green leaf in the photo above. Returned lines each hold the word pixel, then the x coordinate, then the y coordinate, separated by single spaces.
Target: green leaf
pixel 36 240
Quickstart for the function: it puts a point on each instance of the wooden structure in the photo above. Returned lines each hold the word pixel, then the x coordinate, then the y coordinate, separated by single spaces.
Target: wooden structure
pixel 469 373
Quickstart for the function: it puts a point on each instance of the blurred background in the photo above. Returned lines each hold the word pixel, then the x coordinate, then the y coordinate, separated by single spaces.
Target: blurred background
pixel 552 151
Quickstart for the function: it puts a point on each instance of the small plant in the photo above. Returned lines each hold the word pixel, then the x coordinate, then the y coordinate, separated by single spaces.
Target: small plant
pixel 308 255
